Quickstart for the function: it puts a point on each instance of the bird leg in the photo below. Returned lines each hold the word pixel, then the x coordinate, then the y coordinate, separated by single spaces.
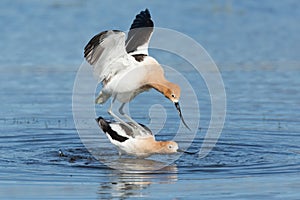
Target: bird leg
pixel 139 127
pixel 116 117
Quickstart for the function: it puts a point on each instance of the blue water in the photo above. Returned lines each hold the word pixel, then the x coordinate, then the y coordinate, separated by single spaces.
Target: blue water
pixel 256 46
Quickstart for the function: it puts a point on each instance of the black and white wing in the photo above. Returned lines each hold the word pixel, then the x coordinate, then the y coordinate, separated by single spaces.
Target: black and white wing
pixel 115 135
pixel 139 34
pixel 120 132
pixel 106 52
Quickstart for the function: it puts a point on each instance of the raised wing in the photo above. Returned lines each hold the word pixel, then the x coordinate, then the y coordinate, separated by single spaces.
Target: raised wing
pixel 105 52
pixel 139 34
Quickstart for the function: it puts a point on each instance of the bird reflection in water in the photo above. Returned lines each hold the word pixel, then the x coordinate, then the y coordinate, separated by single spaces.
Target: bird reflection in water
pixel 133 184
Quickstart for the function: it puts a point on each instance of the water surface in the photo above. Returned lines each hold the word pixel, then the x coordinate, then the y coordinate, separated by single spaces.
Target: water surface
pixel 255 45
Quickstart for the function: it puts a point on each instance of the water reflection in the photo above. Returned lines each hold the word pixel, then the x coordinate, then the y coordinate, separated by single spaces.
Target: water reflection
pixel 134 184
pixel 136 165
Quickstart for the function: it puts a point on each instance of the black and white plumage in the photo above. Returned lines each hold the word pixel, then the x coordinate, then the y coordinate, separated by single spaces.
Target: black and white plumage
pixel 133 143
pixel 139 34
pixel 124 67
pixel 109 53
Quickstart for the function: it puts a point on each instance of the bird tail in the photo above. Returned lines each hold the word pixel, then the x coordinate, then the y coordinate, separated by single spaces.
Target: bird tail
pixel 103 124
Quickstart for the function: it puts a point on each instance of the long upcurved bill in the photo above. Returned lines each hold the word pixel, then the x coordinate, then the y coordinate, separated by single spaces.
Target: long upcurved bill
pixel 180 115
pixel 188 152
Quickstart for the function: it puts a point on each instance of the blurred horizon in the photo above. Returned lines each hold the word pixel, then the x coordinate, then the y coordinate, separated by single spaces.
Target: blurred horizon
pixel 243 33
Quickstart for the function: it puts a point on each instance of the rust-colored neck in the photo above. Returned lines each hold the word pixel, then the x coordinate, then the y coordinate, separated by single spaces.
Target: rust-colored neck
pixel 155 146
pixel 161 86
pixel 160 147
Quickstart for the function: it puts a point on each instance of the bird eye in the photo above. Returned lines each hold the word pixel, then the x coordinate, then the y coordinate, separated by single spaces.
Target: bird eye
pixel 170 146
pixel 173 95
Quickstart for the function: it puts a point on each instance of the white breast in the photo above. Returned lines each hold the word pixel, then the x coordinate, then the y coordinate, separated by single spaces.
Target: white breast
pixel 126 83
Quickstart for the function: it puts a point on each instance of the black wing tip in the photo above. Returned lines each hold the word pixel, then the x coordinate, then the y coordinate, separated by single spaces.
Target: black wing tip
pixel 147 12
pixel 94 42
pixel 143 19
pixel 91 45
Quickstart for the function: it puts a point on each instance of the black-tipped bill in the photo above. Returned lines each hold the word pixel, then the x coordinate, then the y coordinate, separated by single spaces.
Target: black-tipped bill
pixel 180 115
pixel 188 152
